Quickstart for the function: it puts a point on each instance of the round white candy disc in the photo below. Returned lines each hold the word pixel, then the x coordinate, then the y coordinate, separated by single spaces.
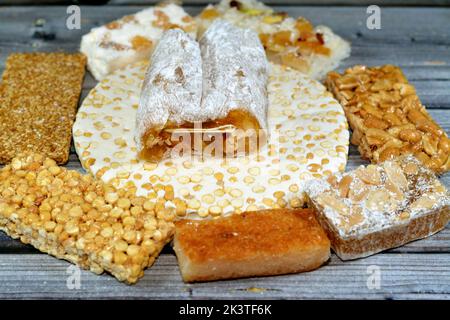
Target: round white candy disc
pixel 308 139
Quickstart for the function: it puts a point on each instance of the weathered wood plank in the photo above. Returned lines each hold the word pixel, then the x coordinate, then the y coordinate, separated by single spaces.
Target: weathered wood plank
pixel 419 276
pixel 438 243
pixel 304 2
pixel 415 74
pixel 275 2
pixel 420 61
pixel 409 57
pixel 398 25
pixel 434 94
pixel 432 83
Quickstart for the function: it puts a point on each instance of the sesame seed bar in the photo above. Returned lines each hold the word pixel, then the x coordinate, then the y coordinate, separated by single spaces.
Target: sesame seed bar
pixel 387 117
pixel 85 221
pixel 38 102
pixel 379 207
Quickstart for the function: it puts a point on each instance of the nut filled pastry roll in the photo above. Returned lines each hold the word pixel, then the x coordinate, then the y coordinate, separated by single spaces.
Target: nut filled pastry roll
pixel 212 93
pixel 235 76
pixel 171 92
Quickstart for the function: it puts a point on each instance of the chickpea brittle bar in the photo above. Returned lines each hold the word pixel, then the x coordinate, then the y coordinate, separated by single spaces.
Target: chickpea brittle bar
pixel 87 222
pixel 387 117
pixel 379 207
pixel 38 102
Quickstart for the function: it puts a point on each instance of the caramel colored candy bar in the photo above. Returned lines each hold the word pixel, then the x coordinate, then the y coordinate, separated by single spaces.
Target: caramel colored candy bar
pixel 257 243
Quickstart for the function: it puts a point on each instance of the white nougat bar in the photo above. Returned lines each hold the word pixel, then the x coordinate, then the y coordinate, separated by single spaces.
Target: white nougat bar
pixel 379 207
pixel 131 38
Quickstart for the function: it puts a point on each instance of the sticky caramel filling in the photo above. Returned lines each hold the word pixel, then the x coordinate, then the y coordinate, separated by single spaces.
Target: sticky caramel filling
pixel 239 130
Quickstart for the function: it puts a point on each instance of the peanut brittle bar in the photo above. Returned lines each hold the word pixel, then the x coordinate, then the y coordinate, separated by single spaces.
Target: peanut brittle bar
pixel 379 207
pixel 87 222
pixel 387 117
pixel 38 102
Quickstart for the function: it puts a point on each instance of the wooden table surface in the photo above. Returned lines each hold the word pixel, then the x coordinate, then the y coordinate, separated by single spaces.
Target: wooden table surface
pixel 415 38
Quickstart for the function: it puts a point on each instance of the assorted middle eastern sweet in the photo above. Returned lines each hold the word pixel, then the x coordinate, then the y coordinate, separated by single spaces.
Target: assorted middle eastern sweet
pixel 215 132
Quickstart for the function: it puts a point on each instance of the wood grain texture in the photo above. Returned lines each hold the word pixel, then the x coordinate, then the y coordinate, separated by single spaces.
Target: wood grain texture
pixel 398 25
pixel 438 243
pixel 417 39
pixel 417 276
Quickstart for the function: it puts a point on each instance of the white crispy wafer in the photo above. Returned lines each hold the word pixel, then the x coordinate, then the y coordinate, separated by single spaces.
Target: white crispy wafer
pixel 235 72
pixel 308 138
pixel 172 88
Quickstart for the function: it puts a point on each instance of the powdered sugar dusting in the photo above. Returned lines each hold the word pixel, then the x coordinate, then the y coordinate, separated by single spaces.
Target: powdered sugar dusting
pixel 368 208
pixel 172 87
pixel 235 72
